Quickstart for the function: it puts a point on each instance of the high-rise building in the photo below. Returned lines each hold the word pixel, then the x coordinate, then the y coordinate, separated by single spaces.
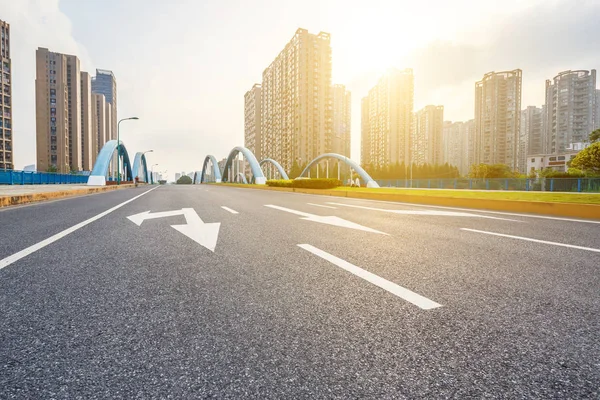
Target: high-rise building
pixel 6 128
pixel 597 109
pixel 428 135
pixel 99 124
pixel 74 115
pixel 497 118
pixel 341 140
pixel 471 135
pixel 387 119
pixel 105 83
pixel 252 121
pixel 456 144
pixel 570 109
pixel 87 125
pixel 108 124
pixel 296 101
pixel 531 138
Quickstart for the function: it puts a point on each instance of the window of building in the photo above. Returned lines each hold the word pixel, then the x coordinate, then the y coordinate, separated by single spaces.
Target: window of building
pixel 561 158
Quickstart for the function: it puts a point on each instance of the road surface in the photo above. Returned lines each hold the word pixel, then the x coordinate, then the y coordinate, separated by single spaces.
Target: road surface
pixel 206 291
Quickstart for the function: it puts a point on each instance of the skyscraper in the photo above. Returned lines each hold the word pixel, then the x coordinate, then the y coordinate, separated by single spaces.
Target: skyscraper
pixel 99 124
pixel 58 114
pixel 570 109
pixel 252 121
pixel 597 109
pixel 105 83
pixel 387 118
pixel 531 139
pixel 296 101
pixel 6 128
pixel 497 118
pixel 456 144
pixel 87 125
pixel 341 140
pixel 428 135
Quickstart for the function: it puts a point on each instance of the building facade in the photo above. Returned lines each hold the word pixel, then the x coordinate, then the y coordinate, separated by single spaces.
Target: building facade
pixel 87 123
pixel 556 162
pixel 532 138
pixel 597 109
pixel 74 112
pixel 497 118
pixel 570 108
pixel 296 101
pixel 6 112
pixel 342 108
pixel 252 121
pixel 387 114
pixel 458 144
pixel 99 124
pixel 428 136
pixel 105 83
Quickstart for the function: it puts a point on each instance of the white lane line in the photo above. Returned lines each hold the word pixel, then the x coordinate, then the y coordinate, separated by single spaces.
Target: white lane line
pixel 425 212
pixel 40 245
pixel 321 205
pixel 403 293
pixel 229 209
pixel 532 240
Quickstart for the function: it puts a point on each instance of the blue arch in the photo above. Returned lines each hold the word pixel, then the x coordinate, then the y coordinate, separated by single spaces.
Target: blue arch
pixel 216 170
pixel 98 175
pixel 140 168
pixel 197 176
pixel 277 165
pixel 257 175
pixel 370 182
pixel 240 177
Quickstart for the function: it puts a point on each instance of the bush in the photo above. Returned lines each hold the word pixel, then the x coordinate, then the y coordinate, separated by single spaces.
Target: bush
pixel 184 180
pixel 322 183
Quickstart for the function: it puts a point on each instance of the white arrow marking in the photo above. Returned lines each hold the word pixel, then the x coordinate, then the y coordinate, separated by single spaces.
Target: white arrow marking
pixel 424 212
pixel 141 217
pixel 329 220
pixel 205 235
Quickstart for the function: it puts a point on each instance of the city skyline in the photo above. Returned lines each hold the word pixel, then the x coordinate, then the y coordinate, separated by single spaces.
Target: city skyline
pixel 358 63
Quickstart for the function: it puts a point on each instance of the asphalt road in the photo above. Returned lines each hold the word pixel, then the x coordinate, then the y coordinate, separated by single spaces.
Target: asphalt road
pixel 385 301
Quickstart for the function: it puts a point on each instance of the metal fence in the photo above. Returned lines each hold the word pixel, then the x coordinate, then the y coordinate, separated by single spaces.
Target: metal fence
pixel 11 177
pixel 539 184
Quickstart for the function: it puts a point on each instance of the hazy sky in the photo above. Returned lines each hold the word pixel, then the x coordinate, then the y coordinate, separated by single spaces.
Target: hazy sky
pixel 183 66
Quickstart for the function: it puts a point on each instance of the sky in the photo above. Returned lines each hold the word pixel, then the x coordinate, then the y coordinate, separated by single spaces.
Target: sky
pixel 183 66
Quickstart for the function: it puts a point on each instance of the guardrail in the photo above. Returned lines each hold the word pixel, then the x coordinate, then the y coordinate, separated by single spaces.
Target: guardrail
pixel 12 177
pixel 538 184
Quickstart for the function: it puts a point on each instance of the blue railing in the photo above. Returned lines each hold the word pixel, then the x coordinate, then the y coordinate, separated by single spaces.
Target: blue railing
pixel 11 177
pixel 539 184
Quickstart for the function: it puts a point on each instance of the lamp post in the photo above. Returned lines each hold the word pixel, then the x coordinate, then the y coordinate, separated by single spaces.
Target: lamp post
pixel 119 148
pixel 152 172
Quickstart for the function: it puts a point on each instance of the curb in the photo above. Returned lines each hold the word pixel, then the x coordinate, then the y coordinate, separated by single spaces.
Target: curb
pixel 573 210
pixel 6 201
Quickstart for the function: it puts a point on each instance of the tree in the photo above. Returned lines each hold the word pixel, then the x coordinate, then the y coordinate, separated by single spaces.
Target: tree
pixel 52 168
pixel 588 159
pixel 595 136
pixel 184 180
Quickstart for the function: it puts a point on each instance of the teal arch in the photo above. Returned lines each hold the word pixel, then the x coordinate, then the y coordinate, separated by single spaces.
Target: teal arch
pixel 240 178
pixel 98 175
pixel 257 174
pixel 140 168
pixel 216 169
pixel 276 165
pixel 370 182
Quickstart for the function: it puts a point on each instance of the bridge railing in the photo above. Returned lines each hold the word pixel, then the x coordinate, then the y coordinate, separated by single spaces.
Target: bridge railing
pixel 536 184
pixel 12 177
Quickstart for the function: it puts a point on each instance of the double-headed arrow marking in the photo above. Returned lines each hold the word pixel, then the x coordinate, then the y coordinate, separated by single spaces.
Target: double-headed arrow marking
pixel 329 220
pixel 205 235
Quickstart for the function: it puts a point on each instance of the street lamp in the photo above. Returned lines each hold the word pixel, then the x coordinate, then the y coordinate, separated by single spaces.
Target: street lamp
pixel 119 148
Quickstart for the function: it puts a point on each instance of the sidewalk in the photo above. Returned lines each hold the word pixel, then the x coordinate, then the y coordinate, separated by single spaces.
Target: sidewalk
pixel 11 195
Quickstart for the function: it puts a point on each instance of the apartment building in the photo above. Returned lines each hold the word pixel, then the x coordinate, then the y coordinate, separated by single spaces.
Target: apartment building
pixel 570 109
pixel 497 118
pixel 87 123
pixel 297 101
pixel 597 118
pixel 105 83
pixel 342 108
pixel 532 139
pixel 99 138
pixel 428 136
pixel 458 141
pixel 387 114
pixel 6 111
pixel 252 121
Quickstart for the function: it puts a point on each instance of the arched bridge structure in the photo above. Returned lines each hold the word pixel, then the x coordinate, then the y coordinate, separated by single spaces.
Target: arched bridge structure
pixel 102 166
pixel 366 178
pixel 140 168
pixel 258 177
pixel 216 175
pixel 278 166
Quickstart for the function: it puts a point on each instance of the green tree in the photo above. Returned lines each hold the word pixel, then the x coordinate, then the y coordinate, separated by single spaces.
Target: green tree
pixel 52 168
pixel 184 180
pixel 588 159
pixel 595 136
